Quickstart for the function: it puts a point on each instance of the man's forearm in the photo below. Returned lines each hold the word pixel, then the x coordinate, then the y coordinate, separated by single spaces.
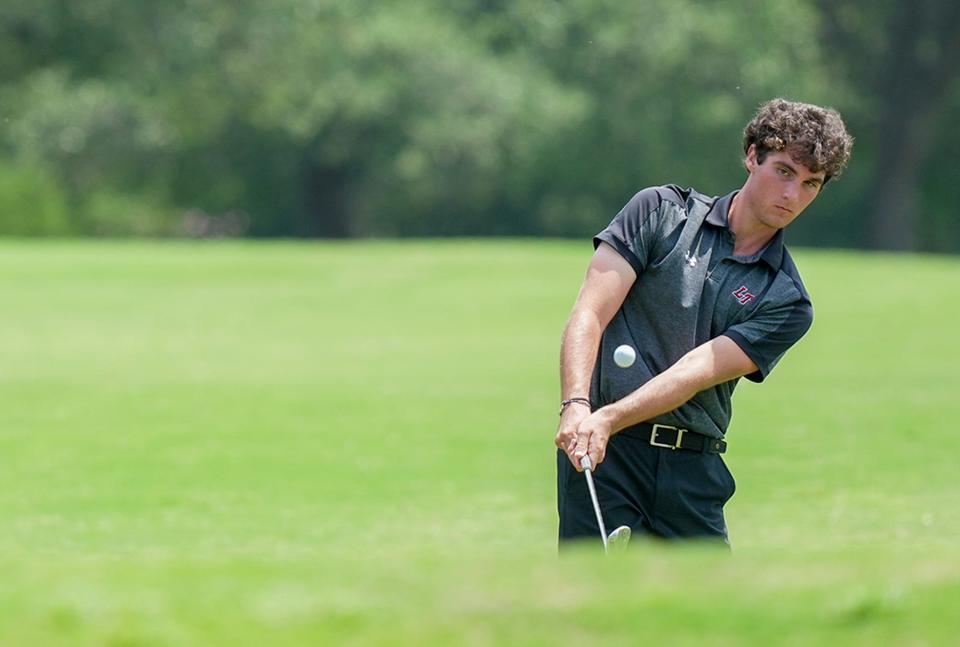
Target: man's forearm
pixel 712 363
pixel 663 393
pixel 578 352
pixel 609 278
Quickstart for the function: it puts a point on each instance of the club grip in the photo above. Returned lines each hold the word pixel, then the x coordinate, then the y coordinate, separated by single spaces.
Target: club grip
pixel 585 463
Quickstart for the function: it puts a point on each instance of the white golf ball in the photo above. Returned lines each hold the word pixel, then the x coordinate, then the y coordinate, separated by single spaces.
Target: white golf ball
pixel 624 356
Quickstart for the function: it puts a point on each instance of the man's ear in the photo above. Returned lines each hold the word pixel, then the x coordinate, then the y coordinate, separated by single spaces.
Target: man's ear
pixel 751 161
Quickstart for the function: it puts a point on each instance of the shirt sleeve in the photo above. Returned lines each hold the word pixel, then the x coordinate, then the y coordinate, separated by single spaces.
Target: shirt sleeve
pixel 767 335
pixel 633 230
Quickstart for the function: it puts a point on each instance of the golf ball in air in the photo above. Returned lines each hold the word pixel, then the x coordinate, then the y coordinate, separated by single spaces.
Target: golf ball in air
pixel 624 356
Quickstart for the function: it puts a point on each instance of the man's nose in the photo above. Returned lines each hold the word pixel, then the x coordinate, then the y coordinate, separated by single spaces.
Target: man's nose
pixel 789 192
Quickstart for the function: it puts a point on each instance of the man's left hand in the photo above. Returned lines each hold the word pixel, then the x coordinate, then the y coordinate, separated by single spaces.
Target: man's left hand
pixel 592 436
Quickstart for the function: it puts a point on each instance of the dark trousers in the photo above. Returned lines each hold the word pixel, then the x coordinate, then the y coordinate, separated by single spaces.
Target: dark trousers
pixel 670 494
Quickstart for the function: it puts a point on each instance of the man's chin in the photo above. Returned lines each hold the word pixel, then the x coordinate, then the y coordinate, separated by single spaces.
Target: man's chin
pixel 779 219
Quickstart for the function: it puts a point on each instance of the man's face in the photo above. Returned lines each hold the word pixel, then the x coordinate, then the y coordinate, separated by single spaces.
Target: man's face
pixel 780 188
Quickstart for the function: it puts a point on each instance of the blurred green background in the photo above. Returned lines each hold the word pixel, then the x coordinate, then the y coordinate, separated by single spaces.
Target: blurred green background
pixel 322 118
pixel 279 442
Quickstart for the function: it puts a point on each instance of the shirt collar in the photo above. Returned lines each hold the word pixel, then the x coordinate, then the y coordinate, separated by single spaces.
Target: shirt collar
pixel 718 212
pixel 772 253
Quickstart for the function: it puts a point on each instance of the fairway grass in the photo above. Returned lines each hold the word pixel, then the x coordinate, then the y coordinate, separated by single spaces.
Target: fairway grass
pixel 351 444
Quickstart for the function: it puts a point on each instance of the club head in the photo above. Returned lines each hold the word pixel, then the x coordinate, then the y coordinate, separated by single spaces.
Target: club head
pixel 619 538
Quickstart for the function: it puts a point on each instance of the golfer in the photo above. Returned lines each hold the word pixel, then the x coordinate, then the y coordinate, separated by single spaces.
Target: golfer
pixel 706 293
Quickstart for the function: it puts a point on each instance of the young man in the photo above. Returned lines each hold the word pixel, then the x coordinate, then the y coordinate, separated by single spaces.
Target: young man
pixel 705 291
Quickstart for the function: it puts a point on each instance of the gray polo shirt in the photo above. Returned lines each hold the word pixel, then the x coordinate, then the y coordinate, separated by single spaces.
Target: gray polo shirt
pixel 690 288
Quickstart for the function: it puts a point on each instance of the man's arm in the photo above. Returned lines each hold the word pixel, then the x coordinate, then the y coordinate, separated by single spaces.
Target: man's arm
pixel 718 360
pixel 609 278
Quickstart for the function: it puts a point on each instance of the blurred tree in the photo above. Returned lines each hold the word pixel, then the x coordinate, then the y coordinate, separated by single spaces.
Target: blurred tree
pixel 904 60
pixel 670 82
pixel 456 117
pixel 65 109
pixel 31 203
pixel 406 124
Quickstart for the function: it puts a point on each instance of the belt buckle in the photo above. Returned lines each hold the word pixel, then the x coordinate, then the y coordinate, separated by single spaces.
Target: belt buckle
pixel 656 429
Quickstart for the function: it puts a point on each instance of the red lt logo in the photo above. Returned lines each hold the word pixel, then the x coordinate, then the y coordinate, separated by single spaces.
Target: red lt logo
pixel 742 295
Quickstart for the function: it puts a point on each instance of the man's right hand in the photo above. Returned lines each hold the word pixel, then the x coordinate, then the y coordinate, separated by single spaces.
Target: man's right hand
pixel 573 414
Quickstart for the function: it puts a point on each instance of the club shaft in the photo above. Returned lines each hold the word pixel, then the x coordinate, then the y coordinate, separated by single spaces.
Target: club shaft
pixel 596 505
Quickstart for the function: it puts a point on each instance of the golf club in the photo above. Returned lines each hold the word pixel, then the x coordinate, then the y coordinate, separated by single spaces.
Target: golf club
pixel 619 537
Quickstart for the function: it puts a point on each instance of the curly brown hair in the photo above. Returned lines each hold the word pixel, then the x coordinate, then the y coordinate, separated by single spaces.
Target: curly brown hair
pixel 815 137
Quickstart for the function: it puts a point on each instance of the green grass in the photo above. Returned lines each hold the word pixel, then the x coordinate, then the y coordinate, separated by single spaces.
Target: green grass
pixel 293 444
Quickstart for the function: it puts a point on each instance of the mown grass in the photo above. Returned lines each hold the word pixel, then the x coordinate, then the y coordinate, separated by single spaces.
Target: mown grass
pixel 289 444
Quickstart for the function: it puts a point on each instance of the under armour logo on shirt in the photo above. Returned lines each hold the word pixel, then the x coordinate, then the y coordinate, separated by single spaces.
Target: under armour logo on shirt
pixel 742 295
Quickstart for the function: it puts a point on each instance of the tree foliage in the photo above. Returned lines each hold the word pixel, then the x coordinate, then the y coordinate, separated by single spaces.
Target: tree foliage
pixel 531 117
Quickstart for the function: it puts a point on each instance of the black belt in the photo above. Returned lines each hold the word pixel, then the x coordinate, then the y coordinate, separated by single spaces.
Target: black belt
pixel 676 438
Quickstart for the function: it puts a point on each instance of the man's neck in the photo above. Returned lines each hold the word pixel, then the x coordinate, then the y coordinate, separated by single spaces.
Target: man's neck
pixel 750 235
